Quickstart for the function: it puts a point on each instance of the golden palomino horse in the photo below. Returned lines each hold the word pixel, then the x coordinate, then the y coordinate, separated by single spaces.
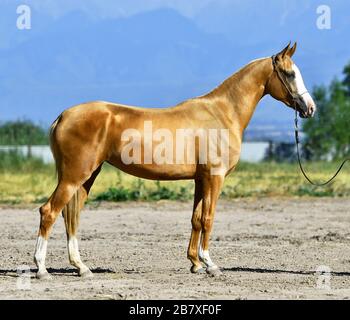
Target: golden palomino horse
pixel 140 141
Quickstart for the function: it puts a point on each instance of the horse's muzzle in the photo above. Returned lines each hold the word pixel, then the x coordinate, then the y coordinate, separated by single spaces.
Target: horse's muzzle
pixel 305 109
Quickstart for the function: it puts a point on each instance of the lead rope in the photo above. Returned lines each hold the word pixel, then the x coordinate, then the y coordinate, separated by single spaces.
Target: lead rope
pixel 299 159
pixel 297 141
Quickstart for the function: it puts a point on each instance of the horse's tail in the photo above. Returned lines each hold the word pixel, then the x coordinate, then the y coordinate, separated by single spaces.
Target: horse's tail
pixel 53 145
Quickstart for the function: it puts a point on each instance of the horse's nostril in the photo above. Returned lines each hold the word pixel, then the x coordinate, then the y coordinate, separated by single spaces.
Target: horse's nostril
pixel 312 110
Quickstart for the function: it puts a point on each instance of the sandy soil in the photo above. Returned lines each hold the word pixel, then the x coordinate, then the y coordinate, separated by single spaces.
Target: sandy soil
pixel 266 248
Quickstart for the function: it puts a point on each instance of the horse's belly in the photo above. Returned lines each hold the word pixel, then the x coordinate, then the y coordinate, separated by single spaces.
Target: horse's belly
pixel 157 171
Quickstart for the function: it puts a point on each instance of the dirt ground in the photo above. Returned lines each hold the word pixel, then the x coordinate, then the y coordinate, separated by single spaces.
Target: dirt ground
pixel 266 248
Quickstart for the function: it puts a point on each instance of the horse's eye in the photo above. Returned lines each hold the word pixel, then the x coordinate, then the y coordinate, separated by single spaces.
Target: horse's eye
pixel 290 75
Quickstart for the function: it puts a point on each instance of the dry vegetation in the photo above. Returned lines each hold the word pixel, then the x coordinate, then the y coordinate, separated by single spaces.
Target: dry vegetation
pixel 23 181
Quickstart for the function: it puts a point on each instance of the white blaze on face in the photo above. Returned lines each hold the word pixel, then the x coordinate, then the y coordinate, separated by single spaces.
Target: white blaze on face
pixel 301 90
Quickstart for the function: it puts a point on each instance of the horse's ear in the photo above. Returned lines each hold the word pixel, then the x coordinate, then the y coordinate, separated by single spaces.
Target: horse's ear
pixel 283 53
pixel 292 50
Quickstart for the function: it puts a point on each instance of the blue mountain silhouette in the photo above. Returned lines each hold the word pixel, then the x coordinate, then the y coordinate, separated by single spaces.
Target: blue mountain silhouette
pixel 152 59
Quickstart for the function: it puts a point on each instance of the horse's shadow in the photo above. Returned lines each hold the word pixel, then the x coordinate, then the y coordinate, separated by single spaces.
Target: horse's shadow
pixel 73 272
pixel 53 271
pixel 283 271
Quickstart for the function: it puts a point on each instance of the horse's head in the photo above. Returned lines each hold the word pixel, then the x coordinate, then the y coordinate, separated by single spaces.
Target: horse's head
pixel 286 83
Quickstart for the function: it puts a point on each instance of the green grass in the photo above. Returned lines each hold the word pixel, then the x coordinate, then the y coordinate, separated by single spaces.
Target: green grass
pixel 120 193
pixel 31 181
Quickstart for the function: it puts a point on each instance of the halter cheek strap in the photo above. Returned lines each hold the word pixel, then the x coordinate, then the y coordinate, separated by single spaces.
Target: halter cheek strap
pixel 280 77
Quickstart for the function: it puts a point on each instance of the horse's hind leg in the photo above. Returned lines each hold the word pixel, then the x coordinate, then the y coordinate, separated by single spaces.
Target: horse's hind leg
pixel 71 214
pixel 48 214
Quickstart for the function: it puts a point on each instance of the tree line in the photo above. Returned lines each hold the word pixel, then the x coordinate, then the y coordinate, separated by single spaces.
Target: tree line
pixel 327 135
pixel 23 132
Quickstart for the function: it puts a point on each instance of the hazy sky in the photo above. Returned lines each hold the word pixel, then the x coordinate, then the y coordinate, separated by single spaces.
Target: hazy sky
pixel 118 8
pixel 47 68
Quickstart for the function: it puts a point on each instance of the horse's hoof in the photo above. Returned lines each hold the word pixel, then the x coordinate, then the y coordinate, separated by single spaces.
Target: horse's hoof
pixel 43 275
pixel 214 271
pixel 197 270
pixel 86 274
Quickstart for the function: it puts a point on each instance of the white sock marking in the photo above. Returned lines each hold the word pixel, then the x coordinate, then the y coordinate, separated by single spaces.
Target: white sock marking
pixel 74 255
pixel 40 253
pixel 205 257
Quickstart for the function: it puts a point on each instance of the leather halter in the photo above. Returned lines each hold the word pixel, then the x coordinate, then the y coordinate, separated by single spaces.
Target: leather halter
pixel 294 97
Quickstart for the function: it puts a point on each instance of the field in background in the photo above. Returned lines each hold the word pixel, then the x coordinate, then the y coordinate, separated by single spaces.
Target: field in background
pixel 32 181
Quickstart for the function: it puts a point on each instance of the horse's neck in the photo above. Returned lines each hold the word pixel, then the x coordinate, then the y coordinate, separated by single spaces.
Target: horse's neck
pixel 242 91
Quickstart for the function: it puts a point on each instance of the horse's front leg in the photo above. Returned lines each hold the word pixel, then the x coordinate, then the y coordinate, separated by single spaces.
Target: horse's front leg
pixel 193 246
pixel 211 193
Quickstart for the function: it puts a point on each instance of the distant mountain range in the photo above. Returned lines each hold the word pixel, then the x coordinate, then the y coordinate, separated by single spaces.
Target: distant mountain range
pixel 155 58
